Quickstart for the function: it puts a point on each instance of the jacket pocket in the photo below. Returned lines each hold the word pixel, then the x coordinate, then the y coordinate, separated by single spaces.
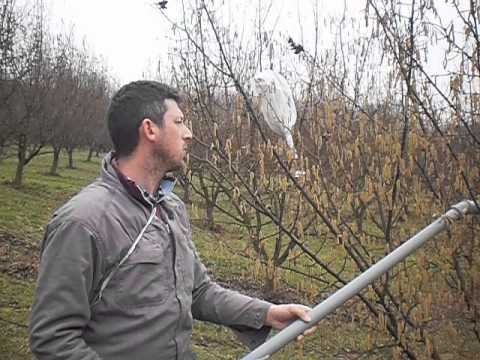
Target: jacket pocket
pixel 144 279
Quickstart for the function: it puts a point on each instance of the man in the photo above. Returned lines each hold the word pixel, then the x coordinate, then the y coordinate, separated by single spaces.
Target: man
pixel 119 276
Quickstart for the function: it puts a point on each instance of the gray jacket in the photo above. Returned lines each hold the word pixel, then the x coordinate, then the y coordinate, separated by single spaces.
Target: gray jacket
pixel 146 310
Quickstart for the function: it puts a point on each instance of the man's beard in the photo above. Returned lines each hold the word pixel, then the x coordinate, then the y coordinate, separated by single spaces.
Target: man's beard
pixel 161 163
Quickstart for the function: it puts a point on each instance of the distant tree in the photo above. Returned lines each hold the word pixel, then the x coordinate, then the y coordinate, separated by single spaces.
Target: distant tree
pixel 30 112
pixel 10 28
pixel 53 92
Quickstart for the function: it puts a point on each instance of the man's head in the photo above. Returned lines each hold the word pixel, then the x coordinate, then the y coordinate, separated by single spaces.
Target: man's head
pixel 146 113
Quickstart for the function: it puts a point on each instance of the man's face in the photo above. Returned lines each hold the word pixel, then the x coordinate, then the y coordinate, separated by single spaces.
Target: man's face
pixel 174 137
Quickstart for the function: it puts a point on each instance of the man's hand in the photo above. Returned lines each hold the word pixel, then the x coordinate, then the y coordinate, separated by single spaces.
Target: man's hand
pixel 280 316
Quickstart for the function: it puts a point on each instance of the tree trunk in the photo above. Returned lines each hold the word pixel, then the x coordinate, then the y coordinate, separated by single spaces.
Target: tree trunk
pixel 70 159
pixel 21 156
pixel 209 219
pixel 187 192
pixel 90 154
pixel 253 136
pixel 269 284
pixel 2 151
pixel 56 158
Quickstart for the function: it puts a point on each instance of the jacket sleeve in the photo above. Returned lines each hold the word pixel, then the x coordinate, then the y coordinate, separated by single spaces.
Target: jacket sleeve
pixel 61 307
pixel 245 315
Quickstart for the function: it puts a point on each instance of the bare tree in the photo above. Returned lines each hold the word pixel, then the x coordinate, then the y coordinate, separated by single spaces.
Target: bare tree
pixel 385 146
pixel 30 112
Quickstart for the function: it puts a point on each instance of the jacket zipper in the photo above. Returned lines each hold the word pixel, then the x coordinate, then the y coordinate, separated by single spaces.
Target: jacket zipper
pixel 174 254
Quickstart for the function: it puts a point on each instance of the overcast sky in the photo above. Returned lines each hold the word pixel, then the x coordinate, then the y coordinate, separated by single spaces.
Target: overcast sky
pixel 126 33
pixel 130 34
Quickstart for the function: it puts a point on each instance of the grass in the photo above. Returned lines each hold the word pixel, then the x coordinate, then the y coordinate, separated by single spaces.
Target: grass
pixel 25 211
pixel 16 296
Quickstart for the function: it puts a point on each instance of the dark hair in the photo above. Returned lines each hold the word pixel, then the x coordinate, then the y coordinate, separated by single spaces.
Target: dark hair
pixel 130 105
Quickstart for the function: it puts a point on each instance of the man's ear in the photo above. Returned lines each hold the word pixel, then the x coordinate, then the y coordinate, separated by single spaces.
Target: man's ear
pixel 148 129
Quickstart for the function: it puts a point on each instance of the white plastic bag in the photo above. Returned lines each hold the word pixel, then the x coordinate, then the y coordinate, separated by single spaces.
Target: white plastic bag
pixel 275 101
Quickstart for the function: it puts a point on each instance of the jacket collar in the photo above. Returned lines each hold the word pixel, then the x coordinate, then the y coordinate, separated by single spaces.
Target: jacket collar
pixel 111 172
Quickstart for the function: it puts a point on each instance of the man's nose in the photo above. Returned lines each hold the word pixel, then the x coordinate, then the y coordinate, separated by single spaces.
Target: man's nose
pixel 188 134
